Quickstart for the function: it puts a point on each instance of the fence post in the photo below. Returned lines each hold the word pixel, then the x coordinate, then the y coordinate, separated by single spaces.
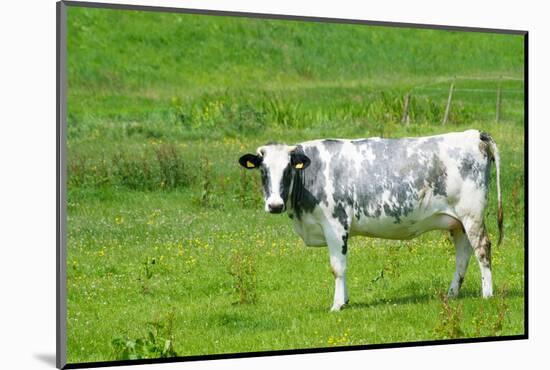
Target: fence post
pixel 497 117
pixel 405 119
pixel 448 107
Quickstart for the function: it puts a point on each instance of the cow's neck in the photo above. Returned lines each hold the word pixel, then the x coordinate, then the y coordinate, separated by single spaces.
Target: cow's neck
pixel 296 194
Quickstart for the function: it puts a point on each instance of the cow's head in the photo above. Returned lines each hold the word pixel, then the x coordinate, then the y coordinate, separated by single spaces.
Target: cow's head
pixel 277 163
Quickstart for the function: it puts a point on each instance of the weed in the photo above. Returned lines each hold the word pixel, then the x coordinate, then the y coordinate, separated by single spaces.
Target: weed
pixel 392 267
pixel 492 324
pixel 245 193
pixel 205 199
pixel 158 343
pixel 243 270
pixel 146 274
pixel 379 276
pixel 77 170
pixel 479 321
pixel 283 112
pixel 502 312
pixel 450 319
pixel 180 112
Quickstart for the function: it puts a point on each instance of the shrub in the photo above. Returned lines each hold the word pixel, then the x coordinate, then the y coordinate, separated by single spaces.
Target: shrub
pixel 159 167
pixel 135 171
pixel 171 167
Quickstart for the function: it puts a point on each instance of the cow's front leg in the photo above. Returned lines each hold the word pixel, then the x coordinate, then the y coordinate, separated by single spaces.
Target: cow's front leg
pixel 337 241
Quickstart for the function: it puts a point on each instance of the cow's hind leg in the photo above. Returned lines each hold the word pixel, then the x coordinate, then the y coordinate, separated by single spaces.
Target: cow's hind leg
pixel 463 253
pixel 483 254
pixel 479 240
pixel 337 241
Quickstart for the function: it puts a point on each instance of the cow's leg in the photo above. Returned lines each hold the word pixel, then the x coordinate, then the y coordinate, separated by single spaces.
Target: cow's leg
pixel 483 255
pixel 479 239
pixel 463 253
pixel 337 241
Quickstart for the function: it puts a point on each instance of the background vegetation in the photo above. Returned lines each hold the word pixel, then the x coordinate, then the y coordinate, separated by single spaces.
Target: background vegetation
pixel 169 249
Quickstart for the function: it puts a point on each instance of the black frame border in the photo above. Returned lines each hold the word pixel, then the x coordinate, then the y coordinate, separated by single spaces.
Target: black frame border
pixel 61 187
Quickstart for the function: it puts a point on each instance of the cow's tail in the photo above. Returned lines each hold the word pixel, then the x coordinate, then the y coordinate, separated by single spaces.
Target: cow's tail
pixel 493 150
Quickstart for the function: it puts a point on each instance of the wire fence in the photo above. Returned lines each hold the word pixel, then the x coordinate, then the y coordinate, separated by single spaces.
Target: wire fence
pixel 519 91
pixel 449 86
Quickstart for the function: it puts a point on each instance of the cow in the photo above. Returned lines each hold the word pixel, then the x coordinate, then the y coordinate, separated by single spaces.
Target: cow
pixel 333 189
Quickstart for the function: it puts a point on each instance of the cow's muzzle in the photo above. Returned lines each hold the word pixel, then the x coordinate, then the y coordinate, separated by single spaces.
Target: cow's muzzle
pixel 276 207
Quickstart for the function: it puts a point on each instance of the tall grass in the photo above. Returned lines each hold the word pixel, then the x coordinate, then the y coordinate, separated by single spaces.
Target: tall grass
pixel 156 167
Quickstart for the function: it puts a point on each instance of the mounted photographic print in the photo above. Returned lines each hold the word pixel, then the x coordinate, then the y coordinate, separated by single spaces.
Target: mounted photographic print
pixel 236 185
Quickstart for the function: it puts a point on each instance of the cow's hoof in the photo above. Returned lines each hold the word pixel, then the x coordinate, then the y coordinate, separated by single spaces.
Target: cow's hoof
pixel 337 307
pixel 452 294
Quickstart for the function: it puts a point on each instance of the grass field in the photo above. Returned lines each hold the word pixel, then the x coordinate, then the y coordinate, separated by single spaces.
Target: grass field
pixel 169 249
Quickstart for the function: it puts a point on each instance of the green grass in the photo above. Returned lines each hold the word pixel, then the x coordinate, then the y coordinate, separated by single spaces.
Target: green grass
pixel 169 249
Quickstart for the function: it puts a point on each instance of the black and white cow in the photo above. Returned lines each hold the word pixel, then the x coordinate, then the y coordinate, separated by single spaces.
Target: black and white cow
pixel 385 188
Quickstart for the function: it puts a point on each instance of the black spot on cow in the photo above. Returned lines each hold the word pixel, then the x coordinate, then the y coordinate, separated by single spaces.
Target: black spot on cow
pixel 340 214
pixel 475 170
pixel 345 244
pixel 467 165
pixel 308 187
pixel 265 180
pixel 437 176
pixel 460 281
pixel 285 183
pixel 344 178
pixel 394 212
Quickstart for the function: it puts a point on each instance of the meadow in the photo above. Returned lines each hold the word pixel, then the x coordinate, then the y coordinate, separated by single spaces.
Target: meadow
pixel 169 250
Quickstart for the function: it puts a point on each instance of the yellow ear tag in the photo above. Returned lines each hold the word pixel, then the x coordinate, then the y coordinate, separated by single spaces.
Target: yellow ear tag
pixel 250 164
pixel 299 166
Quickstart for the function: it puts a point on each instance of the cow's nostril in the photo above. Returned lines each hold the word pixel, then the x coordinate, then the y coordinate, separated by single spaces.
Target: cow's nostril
pixel 275 208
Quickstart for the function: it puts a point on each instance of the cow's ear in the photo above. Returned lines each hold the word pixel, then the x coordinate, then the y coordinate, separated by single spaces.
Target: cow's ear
pixel 250 161
pixel 299 161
